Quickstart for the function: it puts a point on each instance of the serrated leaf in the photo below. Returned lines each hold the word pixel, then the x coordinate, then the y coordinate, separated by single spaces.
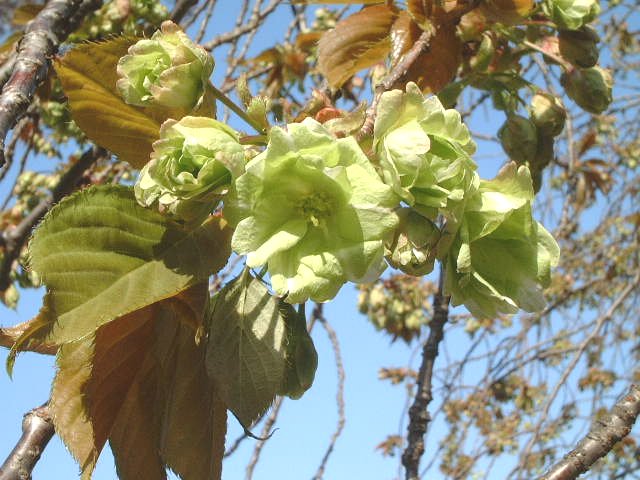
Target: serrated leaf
pixel 357 42
pixel 141 383
pixel 101 256
pixel 247 347
pixel 88 77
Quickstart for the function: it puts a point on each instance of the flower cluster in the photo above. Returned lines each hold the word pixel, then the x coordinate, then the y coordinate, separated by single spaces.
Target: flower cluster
pixel 316 211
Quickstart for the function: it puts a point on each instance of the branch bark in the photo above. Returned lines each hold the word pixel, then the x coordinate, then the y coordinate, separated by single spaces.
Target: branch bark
pixel 37 430
pixel 419 416
pixel 13 240
pixel 42 37
pixel 600 440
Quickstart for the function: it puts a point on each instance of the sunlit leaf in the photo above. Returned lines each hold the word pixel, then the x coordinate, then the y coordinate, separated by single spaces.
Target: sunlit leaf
pixel 247 352
pixel 357 42
pixel 101 256
pixel 140 382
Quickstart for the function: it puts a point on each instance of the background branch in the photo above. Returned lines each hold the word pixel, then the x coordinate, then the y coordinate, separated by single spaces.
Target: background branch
pixel 600 440
pixel 37 430
pixel 42 37
pixel 419 416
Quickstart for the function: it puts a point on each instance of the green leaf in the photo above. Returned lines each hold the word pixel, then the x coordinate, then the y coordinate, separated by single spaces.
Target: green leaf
pixel 247 353
pixel 101 256
pixel 300 354
pixel 140 382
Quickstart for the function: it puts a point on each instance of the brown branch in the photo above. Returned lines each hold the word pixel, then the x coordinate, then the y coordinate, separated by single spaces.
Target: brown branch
pixel 13 240
pixel 419 416
pixel 37 430
pixel 241 30
pixel 181 9
pixel 42 37
pixel 600 440
pixel 318 315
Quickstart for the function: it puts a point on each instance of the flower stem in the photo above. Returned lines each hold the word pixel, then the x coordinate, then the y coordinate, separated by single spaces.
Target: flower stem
pixel 236 109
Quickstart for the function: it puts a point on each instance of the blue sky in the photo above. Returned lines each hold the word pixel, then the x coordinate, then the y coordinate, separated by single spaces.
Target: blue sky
pixel 373 408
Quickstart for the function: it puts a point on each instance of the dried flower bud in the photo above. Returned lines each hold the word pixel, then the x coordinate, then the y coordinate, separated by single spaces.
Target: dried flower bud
pixel 580 47
pixel 590 88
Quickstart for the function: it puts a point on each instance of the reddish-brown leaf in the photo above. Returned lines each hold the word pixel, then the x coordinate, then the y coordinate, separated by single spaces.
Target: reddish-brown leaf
pixel 436 66
pixel 357 42
pixel 140 382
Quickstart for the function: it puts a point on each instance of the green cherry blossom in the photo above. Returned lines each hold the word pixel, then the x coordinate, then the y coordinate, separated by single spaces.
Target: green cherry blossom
pixel 168 70
pixel 424 152
pixel 192 164
pixel 501 258
pixel 313 209
pixel 571 14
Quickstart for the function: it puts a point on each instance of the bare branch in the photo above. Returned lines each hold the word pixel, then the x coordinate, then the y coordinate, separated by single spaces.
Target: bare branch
pixel 267 428
pixel 333 338
pixel 600 440
pixel 13 240
pixel 37 430
pixel 42 37
pixel 419 416
pixel 237 32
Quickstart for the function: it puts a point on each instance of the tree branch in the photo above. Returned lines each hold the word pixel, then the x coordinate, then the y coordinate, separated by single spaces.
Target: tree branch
pixel 37 430
pixel 42 37
pixel 419 416
pixel 333 338
pixel 600 440
pixel 13 240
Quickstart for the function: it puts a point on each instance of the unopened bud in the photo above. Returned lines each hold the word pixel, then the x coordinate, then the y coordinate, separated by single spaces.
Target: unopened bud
pixel 590 88
pixel 547 114
pixel 519 138
pixel 580 47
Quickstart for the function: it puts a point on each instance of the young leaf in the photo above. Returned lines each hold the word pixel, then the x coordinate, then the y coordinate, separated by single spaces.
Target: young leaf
pixel 359 41
pixel 247 352
pixel 436 66
pixel 140 382
pixel 101 256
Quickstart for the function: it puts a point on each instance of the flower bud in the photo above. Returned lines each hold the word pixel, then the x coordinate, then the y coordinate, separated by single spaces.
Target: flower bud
pixel 580 47
pixel 413 247
pixel 547 114
pixel 191 165
pixel 590 88
pixel 519 138
pixel 168 70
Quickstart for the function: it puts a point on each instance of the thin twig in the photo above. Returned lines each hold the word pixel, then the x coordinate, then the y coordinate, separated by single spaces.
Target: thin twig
pixel 574 361
pixel 37 430
pixel 13 240
pixel 419 416
pixel 231 36
pixel 318 315
pixel 181 9
pixel 267 428
pixel 600 440
pixel 42 37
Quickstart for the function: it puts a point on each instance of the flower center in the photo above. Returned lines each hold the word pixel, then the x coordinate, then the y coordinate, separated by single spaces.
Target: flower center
pixel 316 207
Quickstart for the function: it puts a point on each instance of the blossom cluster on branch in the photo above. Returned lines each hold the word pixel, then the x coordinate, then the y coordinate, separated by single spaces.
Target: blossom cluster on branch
pixel 317 211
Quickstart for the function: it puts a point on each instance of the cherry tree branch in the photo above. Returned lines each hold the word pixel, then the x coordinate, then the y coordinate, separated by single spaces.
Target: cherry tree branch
pixel 600 440
pixel 37 430
pixel 419 416
pixel 333 338
pixel 40 42
pixel 13 240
